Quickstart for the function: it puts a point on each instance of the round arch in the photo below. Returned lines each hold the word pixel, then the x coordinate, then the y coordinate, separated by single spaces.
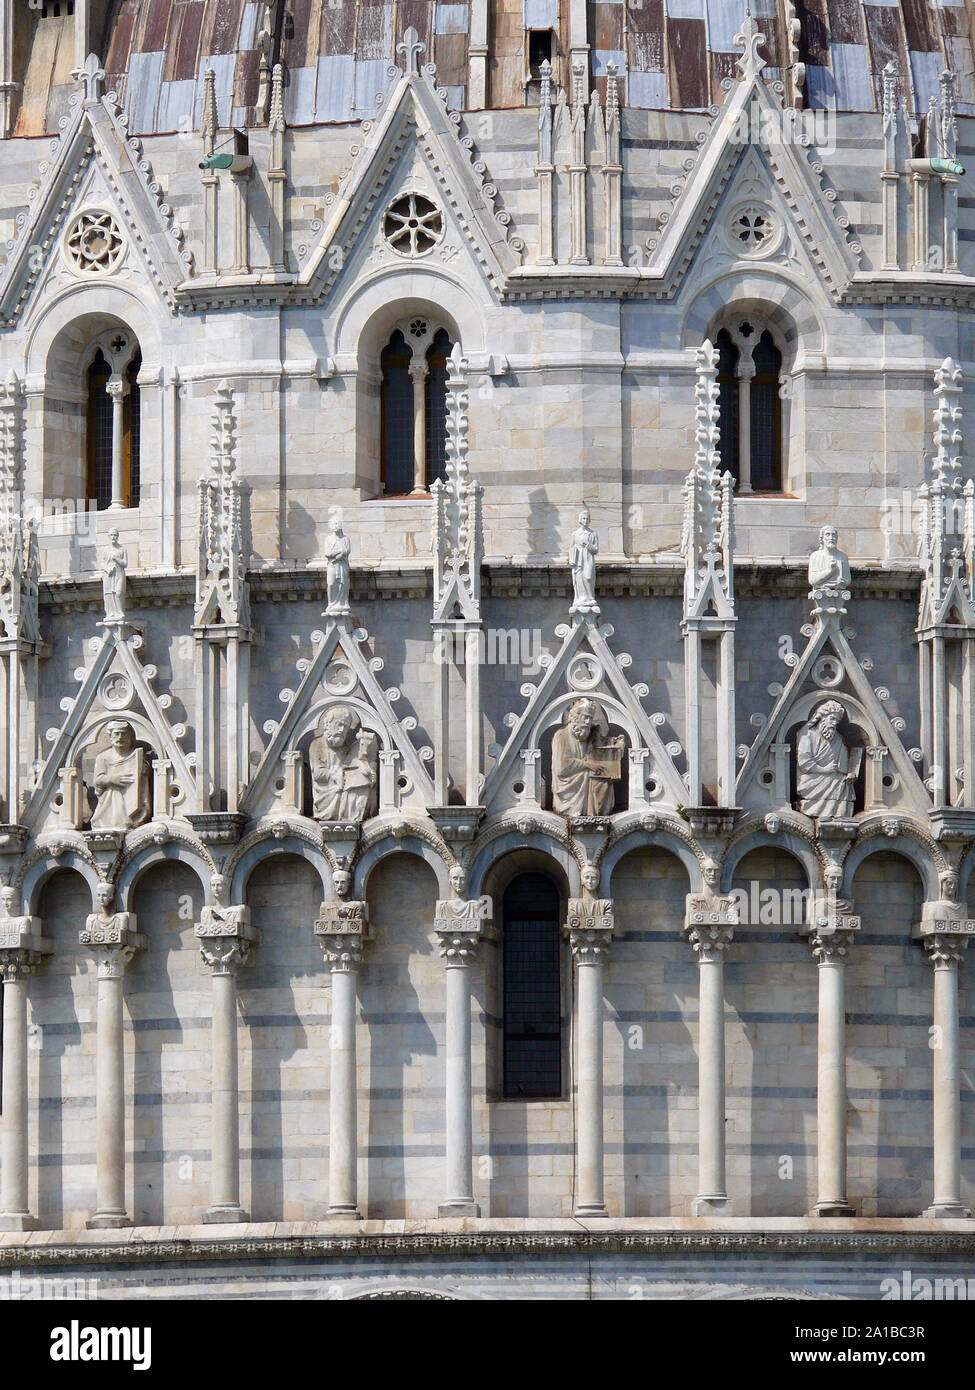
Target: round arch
pixel 785 840
pixel 46 866
pixel 407 844
pixel 375 305
pixel 660 838
pixel 901 845
pixel 84 310
pixel 152 855
pixel 539 842
pixel 778 298
pixel 257 851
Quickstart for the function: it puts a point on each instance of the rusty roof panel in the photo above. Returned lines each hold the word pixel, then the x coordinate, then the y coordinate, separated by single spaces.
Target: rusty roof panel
pixel 920 26
pixel 645 37
pixel 687 47
pixel 186 42
pixel 845 21
pixel 338 28
pixel 450 55
pixel 815 32
pixel 373 31
pixel 884 35
pixel 606 27
pixel 225 17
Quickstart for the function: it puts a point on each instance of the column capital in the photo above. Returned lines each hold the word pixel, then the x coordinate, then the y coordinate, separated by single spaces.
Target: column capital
pixel 830 928
pixel 342 928
pixel 461 925
pixel 589 927
pixel 22 947
pixel 226 936
pixel 945 952
pixel 709 924
pixel 944 929
pixel 113 940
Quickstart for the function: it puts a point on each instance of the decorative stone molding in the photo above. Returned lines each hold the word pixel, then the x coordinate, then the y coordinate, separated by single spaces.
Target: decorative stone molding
pixel 589 927
pixel 342 929
pixel 709 924
pixel 226 936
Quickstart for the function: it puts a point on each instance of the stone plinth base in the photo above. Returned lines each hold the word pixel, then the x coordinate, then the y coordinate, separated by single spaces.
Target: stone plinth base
pixel 108 1221
pixel 217 1216
pixel 449 1209
pixel 18 1221
pixel 946 1211
pixel 587 1211
pixel 345 1213
pixel 833 1209
pixel 711 1206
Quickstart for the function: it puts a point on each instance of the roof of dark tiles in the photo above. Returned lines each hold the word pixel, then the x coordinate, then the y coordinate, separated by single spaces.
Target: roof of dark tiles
pixel 672 53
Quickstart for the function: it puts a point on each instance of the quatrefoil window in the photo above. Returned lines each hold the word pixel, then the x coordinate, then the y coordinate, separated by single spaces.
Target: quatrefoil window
pixel 752 228
pixel 94 243
pixel 413 224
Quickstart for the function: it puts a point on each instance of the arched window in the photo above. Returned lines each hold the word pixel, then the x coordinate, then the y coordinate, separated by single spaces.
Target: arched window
pixel 413 429
pixel 750 424
pixel 113 422
pixel 532 990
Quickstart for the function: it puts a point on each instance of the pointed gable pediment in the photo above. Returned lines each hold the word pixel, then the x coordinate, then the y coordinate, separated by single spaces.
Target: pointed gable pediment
pixel 339 673
pixel 828 669
pixel 115 685
pixel 93 158
pixel 414 144
pixel 584 668
pixel 750 140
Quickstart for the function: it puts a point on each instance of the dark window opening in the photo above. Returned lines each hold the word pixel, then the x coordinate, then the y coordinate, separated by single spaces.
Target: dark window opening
pixel 728 356
pixel 132 429
pixel 765 424
pixel 436 406
pixel 532 990
pixel 99 433
pixel 540 50
pixel 397 417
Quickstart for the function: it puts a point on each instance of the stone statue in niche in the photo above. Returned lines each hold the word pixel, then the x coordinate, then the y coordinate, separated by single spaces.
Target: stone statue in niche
pixel 114 561
pixel 586 762
pixel 344 761
pixel 338 547
pixel 826 769
pixel 583 549
pixel 829 573
pixel 121 782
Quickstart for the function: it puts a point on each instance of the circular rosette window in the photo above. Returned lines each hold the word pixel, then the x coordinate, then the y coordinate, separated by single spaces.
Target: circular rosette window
pixel 413 225
pixel 753 231
pixel 94 243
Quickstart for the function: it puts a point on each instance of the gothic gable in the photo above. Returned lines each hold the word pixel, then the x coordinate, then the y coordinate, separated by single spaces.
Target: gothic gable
pixel 752 159
pixel 93 165
pixel 828 670
pixel 413 148
pixel 339 674
pixel 116 686
pixel 584 668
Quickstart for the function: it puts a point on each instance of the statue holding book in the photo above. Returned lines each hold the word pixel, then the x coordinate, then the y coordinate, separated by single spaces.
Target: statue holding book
pixel 826 768
pixel 586 762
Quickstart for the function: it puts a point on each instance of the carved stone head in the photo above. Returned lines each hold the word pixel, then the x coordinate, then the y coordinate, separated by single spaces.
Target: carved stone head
pixel 948 883
pixel 827 717
pixel 582 718
pixel 338 726
pixel 105 893
pixel 121 736
pixel 218 888
pixel 828 537
pixel 458 879
pixel 341 882
pixel 590 878
pixel 711 870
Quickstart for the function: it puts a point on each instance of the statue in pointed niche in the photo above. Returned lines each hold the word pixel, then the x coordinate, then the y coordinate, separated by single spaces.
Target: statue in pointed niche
pixel 583 549
pixel 829 574
pixel 827 770
pixel 338 547
pixel 586 762
pixel 344 760
pixel 121 782
pixel 114 561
